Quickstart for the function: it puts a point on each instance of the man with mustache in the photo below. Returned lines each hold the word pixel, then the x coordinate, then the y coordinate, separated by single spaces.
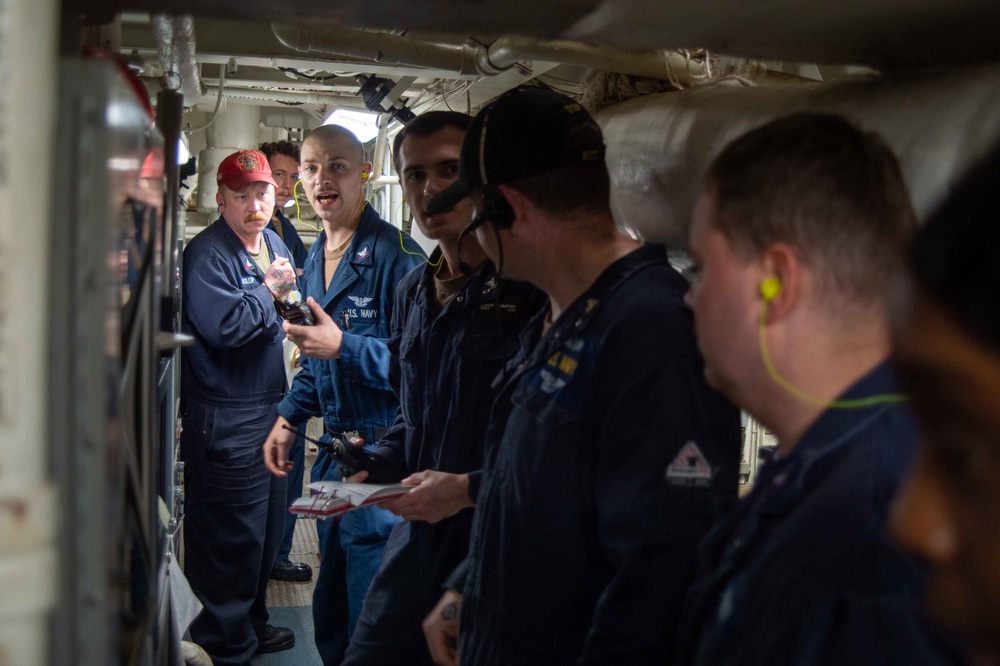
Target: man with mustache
pixel 232 378
pixel 349 278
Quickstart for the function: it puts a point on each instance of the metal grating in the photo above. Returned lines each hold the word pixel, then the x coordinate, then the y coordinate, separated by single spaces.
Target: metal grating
pixel 305 548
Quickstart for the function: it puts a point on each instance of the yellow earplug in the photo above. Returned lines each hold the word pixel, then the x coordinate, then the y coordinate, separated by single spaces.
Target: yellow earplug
pixel 364 175
pixel 770 288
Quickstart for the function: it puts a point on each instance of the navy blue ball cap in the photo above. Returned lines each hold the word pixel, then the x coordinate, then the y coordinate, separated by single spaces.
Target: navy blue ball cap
pixel 522 133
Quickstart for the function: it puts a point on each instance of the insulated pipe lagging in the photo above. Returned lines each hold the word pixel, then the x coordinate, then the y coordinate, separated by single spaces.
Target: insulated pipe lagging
pixel 380 47
pixel 667 65
pixel 176 50
pixel 501 55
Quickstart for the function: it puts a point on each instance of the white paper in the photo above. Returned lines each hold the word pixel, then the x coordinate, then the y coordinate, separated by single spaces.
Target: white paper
pixel 184 606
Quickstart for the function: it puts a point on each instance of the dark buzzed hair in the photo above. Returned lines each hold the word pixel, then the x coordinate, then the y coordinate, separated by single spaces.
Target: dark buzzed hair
pixel 286 148
pixel 830 190
pixel 428 124
pixel 568 191
pixel 956 256
pixel 334 132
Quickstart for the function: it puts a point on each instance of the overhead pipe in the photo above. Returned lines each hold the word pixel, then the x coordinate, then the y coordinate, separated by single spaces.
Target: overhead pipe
pixel 384 48
pixel 288 97
pixel 672 66
pixel 218 104
pixel 472 59
pixel 175 48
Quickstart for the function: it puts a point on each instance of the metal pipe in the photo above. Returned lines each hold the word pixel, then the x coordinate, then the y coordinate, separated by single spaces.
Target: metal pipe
pixel 501 55
pixel 378 154
pixel 175 49
pixel 288 97
pixel 218 103
pixel 380 47
pixel 169 118
pixel 668 65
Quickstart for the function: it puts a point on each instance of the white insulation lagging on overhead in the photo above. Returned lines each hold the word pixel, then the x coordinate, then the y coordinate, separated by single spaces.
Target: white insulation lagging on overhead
pixel 659 147
pixel 175 47
pixel 236 128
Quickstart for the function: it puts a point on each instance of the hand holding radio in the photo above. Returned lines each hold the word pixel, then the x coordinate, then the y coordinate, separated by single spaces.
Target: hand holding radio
pixel 352 458
pixel 320 340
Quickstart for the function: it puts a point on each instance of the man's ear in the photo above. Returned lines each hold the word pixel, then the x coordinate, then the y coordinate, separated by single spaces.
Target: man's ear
pixel 218 199
pixel 784 281
pixel 517 201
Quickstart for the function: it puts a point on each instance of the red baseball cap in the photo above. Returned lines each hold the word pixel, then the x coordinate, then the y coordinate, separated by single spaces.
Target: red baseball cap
pixel 243 168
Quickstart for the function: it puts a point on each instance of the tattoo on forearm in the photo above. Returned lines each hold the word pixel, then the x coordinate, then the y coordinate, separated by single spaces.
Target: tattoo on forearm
pixel 284 286
pixel 449 612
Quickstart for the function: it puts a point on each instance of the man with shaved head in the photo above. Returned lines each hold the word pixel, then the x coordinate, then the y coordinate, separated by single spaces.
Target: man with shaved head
pixel 349 278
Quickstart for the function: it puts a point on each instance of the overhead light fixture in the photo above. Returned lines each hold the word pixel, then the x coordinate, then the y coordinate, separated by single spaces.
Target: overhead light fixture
pixel 364 125
pixel 182 152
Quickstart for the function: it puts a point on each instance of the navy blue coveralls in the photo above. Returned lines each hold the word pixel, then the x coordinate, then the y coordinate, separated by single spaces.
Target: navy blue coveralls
pixel 803 571
pixel 445 362
pixel 351 393
pixel 231 381
pixel 291 238
pixel 612 464
pixel 297 453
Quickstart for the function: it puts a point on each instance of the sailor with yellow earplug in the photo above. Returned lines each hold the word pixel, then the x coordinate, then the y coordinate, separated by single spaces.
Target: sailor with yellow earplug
pixel 801 226
pixel 350 278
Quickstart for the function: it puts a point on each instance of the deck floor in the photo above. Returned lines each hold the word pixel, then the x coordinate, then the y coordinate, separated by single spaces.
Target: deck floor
pixel 290 604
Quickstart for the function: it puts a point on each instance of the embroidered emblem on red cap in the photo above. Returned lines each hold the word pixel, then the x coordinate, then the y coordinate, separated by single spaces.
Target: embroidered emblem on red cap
pixel 248 161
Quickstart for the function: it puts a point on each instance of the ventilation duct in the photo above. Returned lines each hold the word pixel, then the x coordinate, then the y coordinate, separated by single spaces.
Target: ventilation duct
pixel 659 147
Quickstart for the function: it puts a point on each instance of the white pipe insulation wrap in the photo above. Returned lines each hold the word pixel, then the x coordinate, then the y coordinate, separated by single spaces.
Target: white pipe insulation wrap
pixel 656 64
pixel 175 49
pixel 380 47
pixel 501 55
pixel 659 147
pixel 29 521
pixel 236 128
pixel 377 157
